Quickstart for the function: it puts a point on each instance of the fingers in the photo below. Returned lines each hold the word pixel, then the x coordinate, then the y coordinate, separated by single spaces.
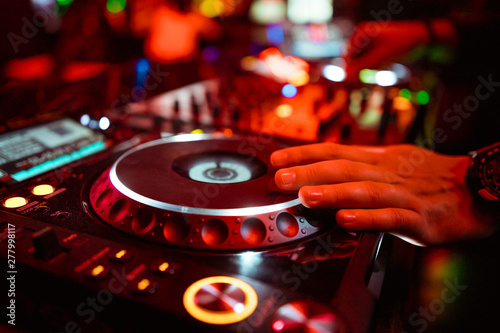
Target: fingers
pixel 394 220
pixel 322 151
pixel 330 172
pixel 366 194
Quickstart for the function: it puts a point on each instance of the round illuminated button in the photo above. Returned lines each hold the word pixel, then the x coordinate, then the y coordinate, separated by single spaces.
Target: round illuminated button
pixel 97 272
pixel 165 268
pixel 43 189
pixel 220 300
pixel 120 255
pixel 15 202
pixel 145 286
pixel 306 316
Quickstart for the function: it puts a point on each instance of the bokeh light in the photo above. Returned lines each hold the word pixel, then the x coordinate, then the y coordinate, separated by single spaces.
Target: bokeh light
pixel 299 78
pixel 275 34
pixel 85 120
pixel 284 111
pixel 64 3
pixel 249 63
pixel 211 8
pixel 423 97
pixel 334 73
pixel 265 12
pixel 386 78
pixel 367 75
pixel 210 53
pixel 227 132
pixel 278 325
pixel 401 103
pixel 405 93
pixel 283 67
pixel 289 90
pixel 116 6
pixel 309 11
pixel 104 123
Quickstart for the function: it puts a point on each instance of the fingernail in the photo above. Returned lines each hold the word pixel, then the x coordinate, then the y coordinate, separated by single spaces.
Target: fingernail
pixel 348 217
pixel 279 158
pixel 287 178
pixel 314 196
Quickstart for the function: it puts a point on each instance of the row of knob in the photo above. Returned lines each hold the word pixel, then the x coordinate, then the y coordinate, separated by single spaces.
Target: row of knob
pixel 197 231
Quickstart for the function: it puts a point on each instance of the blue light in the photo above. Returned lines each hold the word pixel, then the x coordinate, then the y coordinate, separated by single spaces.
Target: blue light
pixel 85 120
pixel 289 90
pixel 275 35
pixel 142 69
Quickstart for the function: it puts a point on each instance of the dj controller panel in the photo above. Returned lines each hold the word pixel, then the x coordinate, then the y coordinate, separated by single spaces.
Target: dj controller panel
pixel 146 227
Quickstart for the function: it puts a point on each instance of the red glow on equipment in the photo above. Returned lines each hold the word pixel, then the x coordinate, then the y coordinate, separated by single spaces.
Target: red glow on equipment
pixel 174 35
pixel 285 68
pixel 32 68
pixel 80 71
pixel 228 132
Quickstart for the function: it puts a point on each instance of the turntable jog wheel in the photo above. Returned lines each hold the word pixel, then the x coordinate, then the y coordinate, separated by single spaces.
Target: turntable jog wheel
pixel 203 191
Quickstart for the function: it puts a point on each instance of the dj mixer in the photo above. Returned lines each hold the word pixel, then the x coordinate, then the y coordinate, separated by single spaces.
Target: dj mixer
pixel 162 215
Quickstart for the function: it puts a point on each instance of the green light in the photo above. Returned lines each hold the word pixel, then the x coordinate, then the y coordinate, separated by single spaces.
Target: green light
pixel 116 6
pixel 440 54
pixel 64 3
pixel 367 75
pixel 423 97
pixel 405 93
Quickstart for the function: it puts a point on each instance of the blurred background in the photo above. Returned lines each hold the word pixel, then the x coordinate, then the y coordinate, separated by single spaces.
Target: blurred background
pixel 281 58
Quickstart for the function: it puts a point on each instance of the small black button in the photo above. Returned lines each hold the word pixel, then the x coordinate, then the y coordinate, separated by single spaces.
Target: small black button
pixel 42 209
pixel 46 244
pixel 63 215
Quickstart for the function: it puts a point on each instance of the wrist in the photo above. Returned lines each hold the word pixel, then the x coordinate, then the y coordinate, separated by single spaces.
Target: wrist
pixel 483 179
pixel 483 173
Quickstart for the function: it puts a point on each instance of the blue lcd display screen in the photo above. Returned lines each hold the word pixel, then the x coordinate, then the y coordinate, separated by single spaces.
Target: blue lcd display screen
pixel 34 150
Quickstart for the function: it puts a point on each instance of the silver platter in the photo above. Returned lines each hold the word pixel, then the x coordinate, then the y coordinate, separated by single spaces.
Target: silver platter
pixel 147 174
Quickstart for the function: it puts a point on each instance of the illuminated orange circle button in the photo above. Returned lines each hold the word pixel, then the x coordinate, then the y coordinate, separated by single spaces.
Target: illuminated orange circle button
pixel 43 189
pixel 236 300
pixel 15 202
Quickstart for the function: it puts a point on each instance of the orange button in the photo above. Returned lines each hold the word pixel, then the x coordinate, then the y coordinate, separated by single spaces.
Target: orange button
pixel 15 202
pixel 43 189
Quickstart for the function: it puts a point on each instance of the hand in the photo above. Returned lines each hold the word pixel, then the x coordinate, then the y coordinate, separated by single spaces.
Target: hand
pixel 405 190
